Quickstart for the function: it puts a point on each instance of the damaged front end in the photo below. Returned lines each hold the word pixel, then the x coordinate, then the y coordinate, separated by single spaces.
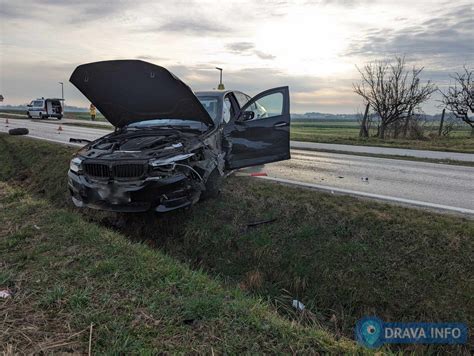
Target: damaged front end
pixel 137 173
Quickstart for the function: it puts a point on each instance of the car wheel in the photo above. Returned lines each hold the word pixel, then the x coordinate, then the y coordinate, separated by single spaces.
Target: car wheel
pixel 60 117
pixel 18 131
pixel 28 114
pixel 213 185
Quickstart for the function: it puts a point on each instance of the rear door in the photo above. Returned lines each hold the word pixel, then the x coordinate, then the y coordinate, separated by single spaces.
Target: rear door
pixel 260 132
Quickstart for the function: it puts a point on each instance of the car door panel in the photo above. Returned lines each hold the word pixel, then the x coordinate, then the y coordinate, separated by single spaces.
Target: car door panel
pixel 264 139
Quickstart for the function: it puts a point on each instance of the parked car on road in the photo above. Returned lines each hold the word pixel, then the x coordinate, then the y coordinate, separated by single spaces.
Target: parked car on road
pixel 44 108
pixel 171 146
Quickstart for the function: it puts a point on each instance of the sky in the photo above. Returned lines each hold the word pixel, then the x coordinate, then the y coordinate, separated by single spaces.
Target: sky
pixel 313 46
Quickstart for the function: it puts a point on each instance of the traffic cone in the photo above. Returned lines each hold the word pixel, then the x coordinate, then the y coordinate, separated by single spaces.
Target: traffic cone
pixel 60 128
pixel 6 121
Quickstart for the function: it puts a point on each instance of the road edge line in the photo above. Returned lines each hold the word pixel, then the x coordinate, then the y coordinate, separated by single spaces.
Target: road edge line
pixel 371 195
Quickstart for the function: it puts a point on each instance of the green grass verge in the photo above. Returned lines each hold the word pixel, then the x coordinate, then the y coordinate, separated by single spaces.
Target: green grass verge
pixel 344 258
pixel 342 132
pixel 74 282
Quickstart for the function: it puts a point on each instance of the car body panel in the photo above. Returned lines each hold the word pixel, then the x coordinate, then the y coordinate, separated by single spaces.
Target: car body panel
pixel 128 91
pixel 261 140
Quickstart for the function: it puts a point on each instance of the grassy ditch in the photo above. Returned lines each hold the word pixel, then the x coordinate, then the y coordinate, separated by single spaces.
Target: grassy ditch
pixel 76 283
pixel 344 258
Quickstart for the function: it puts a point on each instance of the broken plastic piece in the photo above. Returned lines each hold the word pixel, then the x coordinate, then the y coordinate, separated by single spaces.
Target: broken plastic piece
pixel 5 294
pixel 298 305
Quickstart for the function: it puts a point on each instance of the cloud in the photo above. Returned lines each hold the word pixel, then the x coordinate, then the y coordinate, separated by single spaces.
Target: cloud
pixel 193 26
pixel 248 49
pixel 72 11
pixel 237 47
pixel 444 40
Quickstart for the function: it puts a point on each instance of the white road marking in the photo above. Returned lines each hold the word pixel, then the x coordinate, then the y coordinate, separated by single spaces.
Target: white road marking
pixel 369 195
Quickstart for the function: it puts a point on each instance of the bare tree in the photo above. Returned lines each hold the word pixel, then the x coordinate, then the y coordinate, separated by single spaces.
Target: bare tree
pixel 391 91
pixel 459 99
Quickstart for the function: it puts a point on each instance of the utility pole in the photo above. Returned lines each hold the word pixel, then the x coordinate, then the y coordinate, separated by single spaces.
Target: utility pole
pixel 62 90
pixel 440 131
pixel 220 86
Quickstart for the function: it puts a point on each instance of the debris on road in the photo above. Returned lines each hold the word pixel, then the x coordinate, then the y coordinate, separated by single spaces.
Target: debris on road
pixel 298 305
pixel 340 177
pixel 256 223
pixel 19 131
pixel 364 179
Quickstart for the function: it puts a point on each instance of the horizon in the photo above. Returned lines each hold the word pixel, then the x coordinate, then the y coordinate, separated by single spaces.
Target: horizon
pixel 312 46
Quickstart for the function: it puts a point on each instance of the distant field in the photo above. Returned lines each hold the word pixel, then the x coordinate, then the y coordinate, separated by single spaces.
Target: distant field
pixel 79 115
pixel 347 132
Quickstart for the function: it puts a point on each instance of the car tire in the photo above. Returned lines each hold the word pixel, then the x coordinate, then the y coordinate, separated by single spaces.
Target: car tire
pixel 18 131
pixel 28 115
pixel 213 185
pixel 44 116
pixel 60 117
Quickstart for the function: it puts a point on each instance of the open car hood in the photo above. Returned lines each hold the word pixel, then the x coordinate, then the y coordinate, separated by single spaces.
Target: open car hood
pixel 127 91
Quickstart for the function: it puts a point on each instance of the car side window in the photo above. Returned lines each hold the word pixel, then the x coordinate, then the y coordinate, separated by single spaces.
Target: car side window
pixel 242 99
pixel 267 106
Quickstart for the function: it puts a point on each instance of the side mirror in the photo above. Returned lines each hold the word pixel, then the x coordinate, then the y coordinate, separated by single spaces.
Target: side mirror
pixel 29 105
pixel 247 115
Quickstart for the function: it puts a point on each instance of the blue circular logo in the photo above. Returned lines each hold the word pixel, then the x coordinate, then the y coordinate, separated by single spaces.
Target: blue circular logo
pixel 369 332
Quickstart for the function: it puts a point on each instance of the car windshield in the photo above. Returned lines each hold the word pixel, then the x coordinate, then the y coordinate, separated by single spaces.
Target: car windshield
pixel 211 104
pixel 167 123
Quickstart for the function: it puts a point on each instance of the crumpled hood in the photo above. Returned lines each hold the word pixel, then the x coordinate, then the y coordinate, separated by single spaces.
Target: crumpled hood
pixel 128 91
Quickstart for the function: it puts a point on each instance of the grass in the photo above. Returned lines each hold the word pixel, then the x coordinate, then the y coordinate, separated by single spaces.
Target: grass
pixel 347 132
pixel 68 276
pixel 342 257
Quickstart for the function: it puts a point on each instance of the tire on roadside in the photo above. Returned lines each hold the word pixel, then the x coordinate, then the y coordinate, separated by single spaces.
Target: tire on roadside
pixel 18 131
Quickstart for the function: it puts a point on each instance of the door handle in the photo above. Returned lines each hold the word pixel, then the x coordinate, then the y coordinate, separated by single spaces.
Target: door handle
pixel 280 124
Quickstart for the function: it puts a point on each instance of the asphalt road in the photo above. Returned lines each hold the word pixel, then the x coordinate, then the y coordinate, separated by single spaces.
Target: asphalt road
pixel 438 186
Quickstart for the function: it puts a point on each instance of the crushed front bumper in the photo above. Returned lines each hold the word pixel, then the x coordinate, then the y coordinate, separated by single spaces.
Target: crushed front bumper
pixel 153 193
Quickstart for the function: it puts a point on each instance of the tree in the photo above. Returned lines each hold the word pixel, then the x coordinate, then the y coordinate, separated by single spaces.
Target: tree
pixel 459 99
pixel 391 91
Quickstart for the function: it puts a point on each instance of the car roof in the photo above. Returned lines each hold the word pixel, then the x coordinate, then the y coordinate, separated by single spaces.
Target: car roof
pixel 217 93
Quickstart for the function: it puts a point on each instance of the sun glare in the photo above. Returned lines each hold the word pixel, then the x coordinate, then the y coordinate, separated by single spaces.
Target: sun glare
pixel 305 43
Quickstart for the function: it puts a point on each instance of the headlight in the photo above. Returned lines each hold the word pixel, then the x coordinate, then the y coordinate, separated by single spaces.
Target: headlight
pixel 75 164
pixel 170 160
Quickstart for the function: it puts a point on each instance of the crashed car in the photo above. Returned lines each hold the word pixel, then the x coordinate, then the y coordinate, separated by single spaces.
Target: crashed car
pixel 170 146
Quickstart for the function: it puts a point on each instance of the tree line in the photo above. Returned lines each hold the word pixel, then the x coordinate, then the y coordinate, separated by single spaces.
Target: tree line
pixel 395 94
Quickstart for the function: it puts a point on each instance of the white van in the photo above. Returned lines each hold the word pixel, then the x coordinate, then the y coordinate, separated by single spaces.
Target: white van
pixel 44 108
